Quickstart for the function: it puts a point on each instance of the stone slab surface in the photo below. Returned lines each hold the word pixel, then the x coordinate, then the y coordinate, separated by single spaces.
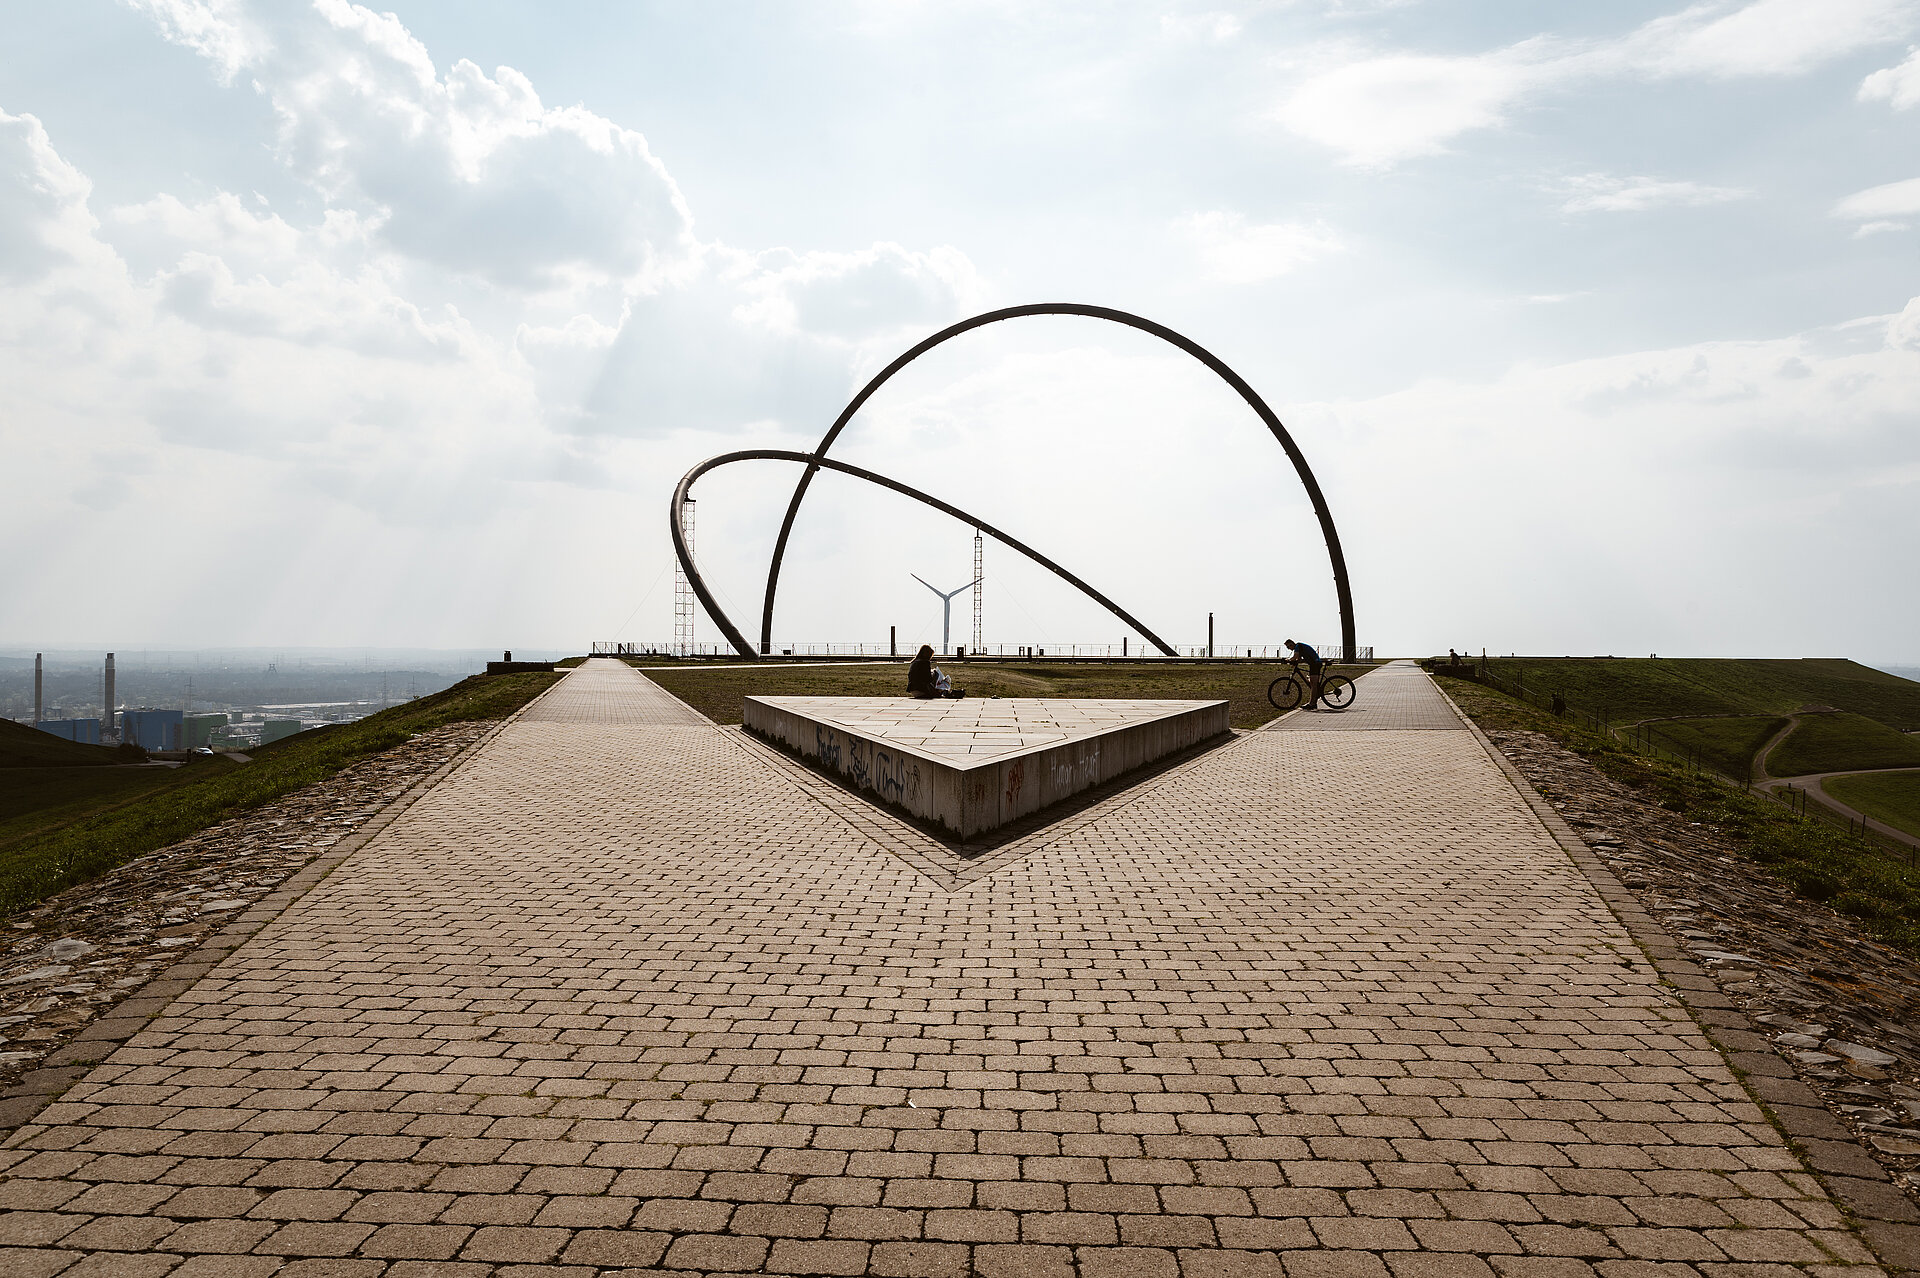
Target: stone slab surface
pixel 617 996
pixel 974 765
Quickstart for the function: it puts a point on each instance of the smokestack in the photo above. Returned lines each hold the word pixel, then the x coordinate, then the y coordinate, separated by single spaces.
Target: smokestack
pixel 39 710
pixel 106 717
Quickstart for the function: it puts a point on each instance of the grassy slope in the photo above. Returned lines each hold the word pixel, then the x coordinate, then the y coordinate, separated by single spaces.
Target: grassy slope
pixel 25 747
pixel 1819 860
pixel 101 837
pixel 34 800
pixel 1643 688
pixel 717 693
pixel 1725 745
pixel 1893 797
pixel 1835 742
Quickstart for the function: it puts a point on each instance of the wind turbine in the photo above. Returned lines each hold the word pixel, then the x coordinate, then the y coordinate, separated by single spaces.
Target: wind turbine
pixel 946 607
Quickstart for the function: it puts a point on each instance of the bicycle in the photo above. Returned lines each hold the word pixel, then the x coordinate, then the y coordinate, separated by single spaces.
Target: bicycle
pixel 1286 692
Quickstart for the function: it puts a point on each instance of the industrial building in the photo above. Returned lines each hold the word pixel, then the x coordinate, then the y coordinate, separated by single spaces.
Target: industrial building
pixel 277 729
pixel 198 729
pixel 85 731
pixel 151 729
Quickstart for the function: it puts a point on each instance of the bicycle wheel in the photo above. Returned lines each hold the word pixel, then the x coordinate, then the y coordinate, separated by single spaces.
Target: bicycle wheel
pixel 1284 692
pixel 1337 692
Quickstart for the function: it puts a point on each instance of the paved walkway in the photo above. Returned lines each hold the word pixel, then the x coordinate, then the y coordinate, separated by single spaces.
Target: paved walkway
pixel 620 994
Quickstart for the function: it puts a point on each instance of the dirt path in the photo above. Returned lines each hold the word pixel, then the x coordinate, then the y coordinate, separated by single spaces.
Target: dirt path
pixel 1760 774
pixel 1812 785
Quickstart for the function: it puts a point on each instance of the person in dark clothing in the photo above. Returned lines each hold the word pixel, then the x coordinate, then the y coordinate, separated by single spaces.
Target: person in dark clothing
pixel 924 679
pixel 1304 652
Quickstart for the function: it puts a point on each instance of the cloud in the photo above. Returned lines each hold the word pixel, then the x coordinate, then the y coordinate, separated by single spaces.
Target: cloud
pixel 410 353
pixel 1212 25
pixel 1878 205
pixel 1232 251
pixel 1604 193
pixel 221 31
pixel 470 171
pixel 1897 86
pixel 44 219
pixel 1377 110
pixel 1765 38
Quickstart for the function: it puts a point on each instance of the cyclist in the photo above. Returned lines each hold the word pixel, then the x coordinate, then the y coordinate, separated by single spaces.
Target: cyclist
pixel 1305 652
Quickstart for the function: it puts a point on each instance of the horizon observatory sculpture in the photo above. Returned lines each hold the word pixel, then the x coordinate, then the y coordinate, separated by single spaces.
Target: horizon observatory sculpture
pixel 817 460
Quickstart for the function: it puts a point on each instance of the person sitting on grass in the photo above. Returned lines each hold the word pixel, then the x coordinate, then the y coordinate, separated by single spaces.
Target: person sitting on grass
pixel 926 681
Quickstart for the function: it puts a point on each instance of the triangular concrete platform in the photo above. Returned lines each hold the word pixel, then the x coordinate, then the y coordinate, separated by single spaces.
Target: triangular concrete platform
pixel 972 765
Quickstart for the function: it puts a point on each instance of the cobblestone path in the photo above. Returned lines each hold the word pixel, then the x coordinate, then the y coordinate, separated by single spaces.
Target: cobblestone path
pixel 619 995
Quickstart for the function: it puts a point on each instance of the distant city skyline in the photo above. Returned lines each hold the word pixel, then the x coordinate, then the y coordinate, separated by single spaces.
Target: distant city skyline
pixel 334 326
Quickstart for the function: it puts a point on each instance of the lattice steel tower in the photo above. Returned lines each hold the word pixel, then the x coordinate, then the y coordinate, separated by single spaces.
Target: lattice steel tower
pixel 683 601
pixel 979 577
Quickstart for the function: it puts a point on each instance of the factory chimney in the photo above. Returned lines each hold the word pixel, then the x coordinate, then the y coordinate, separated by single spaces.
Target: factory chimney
pixel 106 716
pixel 39 707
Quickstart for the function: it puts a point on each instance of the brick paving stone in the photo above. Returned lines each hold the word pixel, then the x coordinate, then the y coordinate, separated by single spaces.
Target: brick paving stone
pixel 624 994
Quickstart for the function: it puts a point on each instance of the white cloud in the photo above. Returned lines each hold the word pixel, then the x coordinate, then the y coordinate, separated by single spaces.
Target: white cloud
pixel 1764 38
pixel 1897 86
pixel 44 219
pixel 347 359
pixel 220 31
pixel 1880 204
pixel 470 171
pixel 1233 251
pixel 1379 109
pixel 1605 193
pixel 1213 25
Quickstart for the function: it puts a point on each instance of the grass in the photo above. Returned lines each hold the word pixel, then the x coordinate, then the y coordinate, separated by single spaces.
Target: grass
pixel 1652 688
pixel 717 693
pixel 1841 742
pixel 102 832
pixel 36 800
pixel 1725 745
pixel 25 747
pixel 1893 797
pixel 1819 860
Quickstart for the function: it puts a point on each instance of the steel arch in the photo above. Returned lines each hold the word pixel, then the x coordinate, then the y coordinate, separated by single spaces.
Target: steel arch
pixel 1160 331
pixel 739 640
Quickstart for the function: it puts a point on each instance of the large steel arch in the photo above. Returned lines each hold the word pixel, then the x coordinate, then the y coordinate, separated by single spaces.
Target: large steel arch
pixel 732 631
pixel 818 458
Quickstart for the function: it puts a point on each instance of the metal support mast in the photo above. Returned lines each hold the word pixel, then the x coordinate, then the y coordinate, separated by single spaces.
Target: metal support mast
pixel 979 575
pixel 683 603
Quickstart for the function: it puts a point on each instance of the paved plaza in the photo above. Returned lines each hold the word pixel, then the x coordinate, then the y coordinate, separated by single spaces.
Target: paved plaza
pixel 625 992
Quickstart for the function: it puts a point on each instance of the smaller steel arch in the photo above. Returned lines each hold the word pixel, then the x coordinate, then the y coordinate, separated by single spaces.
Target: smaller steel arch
pixel 739 641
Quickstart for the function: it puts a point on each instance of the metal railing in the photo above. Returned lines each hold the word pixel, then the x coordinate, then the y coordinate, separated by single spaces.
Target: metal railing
pixel 1115 651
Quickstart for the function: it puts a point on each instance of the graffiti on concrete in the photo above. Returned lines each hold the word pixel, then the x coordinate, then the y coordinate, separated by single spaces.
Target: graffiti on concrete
pixel 1016 778
pixel 826 746
pixel 896 777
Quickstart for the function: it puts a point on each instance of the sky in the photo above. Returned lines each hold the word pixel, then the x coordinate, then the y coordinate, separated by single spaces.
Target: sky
pixel 330 325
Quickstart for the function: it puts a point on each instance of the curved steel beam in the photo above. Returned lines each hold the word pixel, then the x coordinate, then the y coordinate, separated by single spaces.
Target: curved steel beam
pixel 1160 331
pixel 812 460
